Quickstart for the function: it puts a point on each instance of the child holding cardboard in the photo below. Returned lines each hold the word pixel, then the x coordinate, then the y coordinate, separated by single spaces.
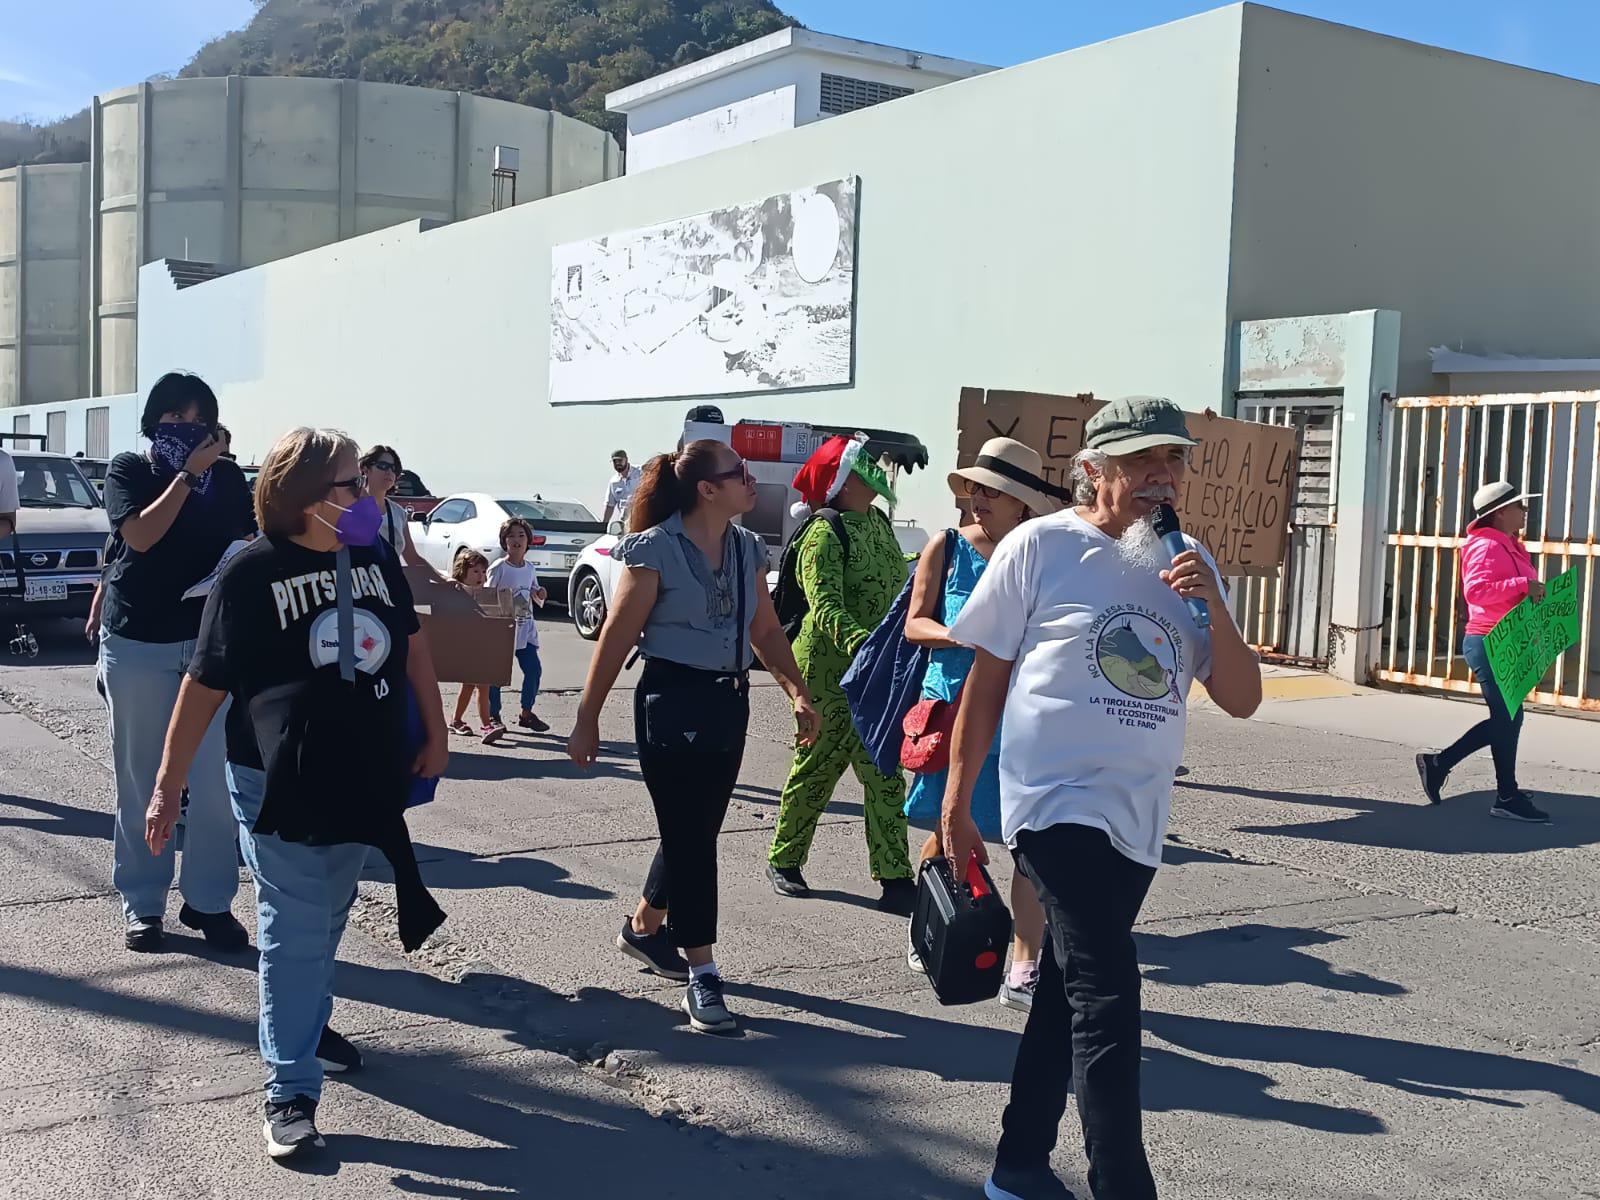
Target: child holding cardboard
pixel 471 569
pixel 514 572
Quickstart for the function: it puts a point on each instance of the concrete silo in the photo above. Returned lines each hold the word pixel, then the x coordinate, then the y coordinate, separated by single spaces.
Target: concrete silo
pixel 44 278
pixel 244 170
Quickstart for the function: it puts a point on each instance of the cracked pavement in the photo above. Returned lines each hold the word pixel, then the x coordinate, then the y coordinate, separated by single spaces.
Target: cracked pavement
pixel 1349 993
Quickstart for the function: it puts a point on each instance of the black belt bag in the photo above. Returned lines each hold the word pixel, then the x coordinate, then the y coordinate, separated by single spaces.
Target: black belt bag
pixel 707 717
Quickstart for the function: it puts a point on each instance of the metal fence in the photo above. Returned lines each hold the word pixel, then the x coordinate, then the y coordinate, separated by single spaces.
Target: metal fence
pixel 1286 615
pixel 1441 449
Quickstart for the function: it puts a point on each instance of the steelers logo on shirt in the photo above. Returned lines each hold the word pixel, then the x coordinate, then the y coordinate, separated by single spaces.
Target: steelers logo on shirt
pixel 371 638
pixel 1136 655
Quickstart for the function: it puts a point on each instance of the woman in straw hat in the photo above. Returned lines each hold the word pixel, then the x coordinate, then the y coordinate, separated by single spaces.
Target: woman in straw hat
pixel 1496 574
pixel 1002 489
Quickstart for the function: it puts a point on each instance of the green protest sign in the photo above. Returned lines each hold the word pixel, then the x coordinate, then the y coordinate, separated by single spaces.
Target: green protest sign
pixel 1529 638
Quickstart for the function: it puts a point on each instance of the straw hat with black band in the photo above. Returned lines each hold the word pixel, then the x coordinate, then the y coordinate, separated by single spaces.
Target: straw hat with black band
pixel 1492 497
pixel 1006 465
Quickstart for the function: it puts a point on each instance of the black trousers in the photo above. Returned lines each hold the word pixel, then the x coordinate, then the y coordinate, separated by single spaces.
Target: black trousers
pixel 1083 1031
pixel 1500 733
pixel 690 727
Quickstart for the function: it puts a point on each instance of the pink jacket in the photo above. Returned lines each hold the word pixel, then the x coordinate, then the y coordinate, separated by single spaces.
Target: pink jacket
pixel 1495 570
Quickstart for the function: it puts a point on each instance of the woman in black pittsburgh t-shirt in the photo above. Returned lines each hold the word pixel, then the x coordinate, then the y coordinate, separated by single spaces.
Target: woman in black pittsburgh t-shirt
pixel 175 510
pixel 270 641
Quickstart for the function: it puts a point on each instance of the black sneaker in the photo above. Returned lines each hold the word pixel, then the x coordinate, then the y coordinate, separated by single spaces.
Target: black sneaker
pixel 220 929
pixel 532 720
pixel 1519 808
pixel 659 956
pixel 702 1000
pixel 1037 1183
pixel 787 881
pixel 1432 776
pixel 144 935
pixel 336 1054
pixel 291 1127
pixel 899 897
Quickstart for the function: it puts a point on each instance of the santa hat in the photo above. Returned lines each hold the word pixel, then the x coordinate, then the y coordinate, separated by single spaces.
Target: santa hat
pixel 825 473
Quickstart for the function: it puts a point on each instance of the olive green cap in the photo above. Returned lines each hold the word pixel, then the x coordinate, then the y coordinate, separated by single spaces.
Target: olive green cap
pixel 1136 423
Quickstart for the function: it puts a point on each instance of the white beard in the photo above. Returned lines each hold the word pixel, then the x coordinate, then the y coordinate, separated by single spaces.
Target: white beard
pixel 1140 548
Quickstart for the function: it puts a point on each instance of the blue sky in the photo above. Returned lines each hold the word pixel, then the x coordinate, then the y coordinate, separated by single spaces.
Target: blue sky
pixel 46 72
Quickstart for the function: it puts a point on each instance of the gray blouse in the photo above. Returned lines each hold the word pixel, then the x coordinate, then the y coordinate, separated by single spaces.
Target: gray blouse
pixel 693 622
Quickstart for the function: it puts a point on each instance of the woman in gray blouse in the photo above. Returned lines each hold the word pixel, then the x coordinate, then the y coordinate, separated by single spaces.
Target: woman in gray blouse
pixel 693 601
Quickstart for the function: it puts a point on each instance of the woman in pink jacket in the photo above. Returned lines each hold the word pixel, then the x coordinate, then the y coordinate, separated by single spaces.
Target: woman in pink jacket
pixel 1496 574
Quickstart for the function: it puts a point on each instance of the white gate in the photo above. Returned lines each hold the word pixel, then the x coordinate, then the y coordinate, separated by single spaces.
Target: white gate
pixel 1286 616
pixel 1442 448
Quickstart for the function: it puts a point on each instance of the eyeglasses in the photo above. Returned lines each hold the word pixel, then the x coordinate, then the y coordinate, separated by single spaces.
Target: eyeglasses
pixel 741 473
pixel 355 483
pixel 384 464
pixel 978 489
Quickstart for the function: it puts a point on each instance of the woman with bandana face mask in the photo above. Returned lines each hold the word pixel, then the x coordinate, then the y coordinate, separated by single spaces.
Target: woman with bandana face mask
pixel 175 510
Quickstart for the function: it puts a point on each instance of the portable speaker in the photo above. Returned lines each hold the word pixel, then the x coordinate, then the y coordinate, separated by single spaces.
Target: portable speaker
pixel 960 932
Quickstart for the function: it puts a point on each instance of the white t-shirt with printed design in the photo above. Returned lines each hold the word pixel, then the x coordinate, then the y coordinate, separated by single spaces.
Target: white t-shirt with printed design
pixel 1105 652
pixel 523 582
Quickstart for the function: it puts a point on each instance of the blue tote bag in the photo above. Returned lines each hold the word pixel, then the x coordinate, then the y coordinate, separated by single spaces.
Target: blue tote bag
pixel 885 678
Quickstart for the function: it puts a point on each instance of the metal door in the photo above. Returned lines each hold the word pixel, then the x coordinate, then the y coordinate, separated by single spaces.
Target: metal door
pixel 1286 617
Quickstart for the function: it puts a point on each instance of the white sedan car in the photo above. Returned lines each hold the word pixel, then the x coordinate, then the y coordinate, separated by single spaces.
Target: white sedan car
pixel 561 530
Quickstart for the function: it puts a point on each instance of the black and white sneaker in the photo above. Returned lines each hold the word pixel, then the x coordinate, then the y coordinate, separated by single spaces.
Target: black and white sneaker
pixel 659 956
pixel 221 929
pixel 787 881
pixel 144 935
pixel 291 1127
pixel 336 1054
pixel 913 959
pixel 1432 776
pixel 1037 1183
pixel 1519 808
pixel 702 1000
pixel 1019 996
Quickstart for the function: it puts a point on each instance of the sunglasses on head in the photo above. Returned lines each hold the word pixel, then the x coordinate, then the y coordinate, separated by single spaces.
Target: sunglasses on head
pixel 978 489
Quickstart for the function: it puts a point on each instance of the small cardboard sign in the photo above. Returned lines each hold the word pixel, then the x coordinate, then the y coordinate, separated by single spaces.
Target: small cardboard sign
pixel 1241 478
pixel 1525 643
pixel 467 645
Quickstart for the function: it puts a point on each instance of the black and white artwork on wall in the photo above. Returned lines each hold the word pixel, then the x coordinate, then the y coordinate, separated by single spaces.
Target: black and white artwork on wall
pixel 759 297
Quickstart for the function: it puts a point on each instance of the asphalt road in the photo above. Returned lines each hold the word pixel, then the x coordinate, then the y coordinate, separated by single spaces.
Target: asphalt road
pixel 1349 993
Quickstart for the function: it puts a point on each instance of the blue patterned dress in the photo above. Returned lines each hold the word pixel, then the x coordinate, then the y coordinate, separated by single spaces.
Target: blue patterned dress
pixel 947 670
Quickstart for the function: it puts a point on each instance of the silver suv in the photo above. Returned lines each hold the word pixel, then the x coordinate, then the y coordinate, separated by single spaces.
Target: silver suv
pixel 60 541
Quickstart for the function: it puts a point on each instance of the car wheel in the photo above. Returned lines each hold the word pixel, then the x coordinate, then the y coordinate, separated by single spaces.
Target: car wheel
pixel 588 606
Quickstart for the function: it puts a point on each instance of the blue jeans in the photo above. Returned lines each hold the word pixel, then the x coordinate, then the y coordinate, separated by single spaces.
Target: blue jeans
pixel 1500 732
pixel 303 898
pixel 141 683
pixel 532 672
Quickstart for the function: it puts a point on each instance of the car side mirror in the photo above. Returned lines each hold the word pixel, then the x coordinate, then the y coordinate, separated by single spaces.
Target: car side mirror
pixel 419 516
pixel 615 529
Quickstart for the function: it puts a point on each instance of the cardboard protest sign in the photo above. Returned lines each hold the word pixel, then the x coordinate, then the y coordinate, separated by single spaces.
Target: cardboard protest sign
pixel 1526 642
pixel 1237 499
pixel 466 645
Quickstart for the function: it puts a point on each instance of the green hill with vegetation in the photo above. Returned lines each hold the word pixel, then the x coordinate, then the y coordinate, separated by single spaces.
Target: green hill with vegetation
pixel 563 55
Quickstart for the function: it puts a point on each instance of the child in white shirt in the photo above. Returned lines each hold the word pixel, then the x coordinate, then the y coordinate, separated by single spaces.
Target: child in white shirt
pixel 515 572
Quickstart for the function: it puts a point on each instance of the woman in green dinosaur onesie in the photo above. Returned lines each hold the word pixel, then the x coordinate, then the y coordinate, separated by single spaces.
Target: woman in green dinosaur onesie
pixel 847 596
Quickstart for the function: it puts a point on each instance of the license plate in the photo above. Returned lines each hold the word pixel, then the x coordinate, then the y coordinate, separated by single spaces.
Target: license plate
pixel 569 561
pixel 46 589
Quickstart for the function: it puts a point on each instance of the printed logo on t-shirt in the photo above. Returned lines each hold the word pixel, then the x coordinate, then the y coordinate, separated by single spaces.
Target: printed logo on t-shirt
pixel 371 641
pixel 1138 652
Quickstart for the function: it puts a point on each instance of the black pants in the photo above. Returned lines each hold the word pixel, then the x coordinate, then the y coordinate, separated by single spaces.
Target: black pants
pixel 1500 732
pixel 1083 1030
pixel 690 727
